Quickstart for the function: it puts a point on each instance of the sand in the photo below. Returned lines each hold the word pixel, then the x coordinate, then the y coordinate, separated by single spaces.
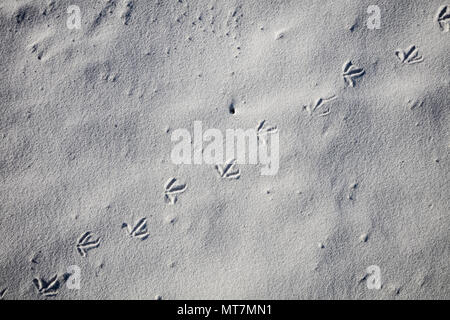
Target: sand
pixel 85 150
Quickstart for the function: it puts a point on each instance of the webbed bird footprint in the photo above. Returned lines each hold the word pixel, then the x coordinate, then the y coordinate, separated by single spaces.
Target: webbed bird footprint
pixel 47 288
pixel 172 190
pixel 139 230
pixel 350 72
pixel 443 18
pixel 228 170
pixel 85 243
pixel 410 56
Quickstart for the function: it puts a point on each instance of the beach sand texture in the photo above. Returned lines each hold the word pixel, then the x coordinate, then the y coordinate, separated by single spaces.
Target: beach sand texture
pixel 86 177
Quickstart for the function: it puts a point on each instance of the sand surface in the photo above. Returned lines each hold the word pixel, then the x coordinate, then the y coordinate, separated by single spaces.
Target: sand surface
pixel 85 143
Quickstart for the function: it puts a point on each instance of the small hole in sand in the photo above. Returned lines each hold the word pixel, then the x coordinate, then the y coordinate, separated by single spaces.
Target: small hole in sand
pixel 231 108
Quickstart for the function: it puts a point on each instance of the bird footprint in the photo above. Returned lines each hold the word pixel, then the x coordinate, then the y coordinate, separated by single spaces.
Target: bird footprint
pixel 318 104
pixel 350 72
pixel 47 288
pixel 263 130
pixel 85 243
pixel 171 190
pixel 228 170
pixel 410 56
pixel 139 230
pixel 443 18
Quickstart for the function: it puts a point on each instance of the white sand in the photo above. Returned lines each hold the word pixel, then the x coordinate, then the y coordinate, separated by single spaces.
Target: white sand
pixel 85 128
